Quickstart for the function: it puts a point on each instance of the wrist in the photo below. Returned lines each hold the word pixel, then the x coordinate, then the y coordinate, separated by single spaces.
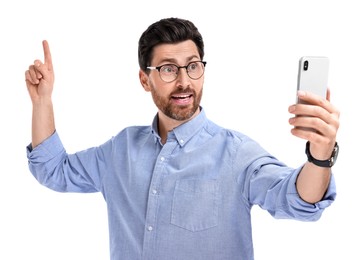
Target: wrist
pixel 327 163
pixel 39 100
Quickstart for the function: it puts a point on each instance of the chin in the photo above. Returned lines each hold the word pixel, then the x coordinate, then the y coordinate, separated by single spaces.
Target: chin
pixel 183 114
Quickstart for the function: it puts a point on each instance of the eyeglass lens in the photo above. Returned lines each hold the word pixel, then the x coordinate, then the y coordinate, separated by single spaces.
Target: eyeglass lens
pixel 169 72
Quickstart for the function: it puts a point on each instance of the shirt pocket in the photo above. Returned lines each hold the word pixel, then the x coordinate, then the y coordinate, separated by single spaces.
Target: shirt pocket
pixel 195 204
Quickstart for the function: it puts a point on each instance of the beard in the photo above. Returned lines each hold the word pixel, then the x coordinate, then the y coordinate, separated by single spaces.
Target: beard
pixel 177 112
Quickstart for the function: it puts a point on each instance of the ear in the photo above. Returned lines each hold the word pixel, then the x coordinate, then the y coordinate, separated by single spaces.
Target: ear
pixel 144 80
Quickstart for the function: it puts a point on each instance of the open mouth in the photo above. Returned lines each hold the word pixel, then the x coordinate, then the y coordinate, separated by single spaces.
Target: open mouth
pixel 182 97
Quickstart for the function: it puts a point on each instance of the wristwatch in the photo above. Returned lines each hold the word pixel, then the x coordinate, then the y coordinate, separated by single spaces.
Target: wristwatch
pixel 323 163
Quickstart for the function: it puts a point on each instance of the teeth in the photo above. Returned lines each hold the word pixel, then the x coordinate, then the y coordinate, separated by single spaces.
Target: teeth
pixel 182 96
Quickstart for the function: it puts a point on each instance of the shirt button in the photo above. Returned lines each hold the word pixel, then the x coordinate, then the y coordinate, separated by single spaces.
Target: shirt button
pixel 162 158
pixel 149 228
pixel 154 191
pixel 181 141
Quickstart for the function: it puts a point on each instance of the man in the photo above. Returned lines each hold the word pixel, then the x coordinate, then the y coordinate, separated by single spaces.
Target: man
pixel 183 187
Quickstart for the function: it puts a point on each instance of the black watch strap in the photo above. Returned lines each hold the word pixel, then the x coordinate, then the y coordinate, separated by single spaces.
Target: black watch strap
pixel 323 163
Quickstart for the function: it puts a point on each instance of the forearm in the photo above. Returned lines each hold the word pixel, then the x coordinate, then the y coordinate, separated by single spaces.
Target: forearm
pixel 43 124
pixel 312 182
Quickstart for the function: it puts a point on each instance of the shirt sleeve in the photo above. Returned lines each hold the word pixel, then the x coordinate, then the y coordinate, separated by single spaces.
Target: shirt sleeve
pixel 54 168
pixel 283 201
pixel 271 184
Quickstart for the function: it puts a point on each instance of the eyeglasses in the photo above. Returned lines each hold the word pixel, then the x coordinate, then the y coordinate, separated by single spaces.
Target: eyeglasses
pixel 169 72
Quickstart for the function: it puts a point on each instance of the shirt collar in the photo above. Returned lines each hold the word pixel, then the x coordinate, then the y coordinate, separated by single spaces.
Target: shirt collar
pixel 184 132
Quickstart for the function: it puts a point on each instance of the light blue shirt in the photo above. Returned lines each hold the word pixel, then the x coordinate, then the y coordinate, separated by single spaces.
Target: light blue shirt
pixel 189 199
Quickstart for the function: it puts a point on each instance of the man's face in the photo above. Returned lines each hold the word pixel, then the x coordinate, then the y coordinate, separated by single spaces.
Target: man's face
pixel 179 99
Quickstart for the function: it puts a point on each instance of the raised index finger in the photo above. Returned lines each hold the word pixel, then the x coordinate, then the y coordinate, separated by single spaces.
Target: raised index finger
pixel 47 55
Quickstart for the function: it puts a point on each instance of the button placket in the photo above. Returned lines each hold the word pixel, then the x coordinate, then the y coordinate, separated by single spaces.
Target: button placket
pixel 153 199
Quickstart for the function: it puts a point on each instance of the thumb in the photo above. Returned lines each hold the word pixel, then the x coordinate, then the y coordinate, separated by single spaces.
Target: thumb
pixel 328 94
pixel 41 70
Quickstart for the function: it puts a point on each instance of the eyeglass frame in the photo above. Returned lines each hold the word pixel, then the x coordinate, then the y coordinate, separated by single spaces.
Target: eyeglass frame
pixel 178 68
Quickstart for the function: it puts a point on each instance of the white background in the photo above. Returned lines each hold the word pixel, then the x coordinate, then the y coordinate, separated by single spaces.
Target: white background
pixel 252 49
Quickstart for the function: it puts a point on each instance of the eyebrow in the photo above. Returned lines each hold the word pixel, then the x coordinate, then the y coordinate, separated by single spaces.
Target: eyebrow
pixel 174 61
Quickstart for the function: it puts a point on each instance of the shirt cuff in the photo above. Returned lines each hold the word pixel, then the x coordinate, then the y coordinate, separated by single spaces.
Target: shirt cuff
pixel 49 148
pixel 307 210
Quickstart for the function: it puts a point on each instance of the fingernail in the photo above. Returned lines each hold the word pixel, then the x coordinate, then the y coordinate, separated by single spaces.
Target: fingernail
pixel 291 108
pixel 301 93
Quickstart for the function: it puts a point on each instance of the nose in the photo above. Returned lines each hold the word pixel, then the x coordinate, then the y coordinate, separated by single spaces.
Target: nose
pixel 183 78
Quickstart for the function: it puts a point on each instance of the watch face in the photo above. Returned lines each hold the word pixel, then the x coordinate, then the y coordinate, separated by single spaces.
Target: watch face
pixel 335 153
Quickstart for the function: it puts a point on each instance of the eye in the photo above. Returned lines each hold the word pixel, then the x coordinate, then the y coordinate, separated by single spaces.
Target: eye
pixel 168 69
pixel 193 66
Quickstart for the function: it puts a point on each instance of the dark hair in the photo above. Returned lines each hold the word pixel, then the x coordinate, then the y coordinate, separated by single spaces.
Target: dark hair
pixel 168 30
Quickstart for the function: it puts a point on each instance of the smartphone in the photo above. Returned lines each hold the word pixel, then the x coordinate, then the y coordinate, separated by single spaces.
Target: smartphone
pixel 313 72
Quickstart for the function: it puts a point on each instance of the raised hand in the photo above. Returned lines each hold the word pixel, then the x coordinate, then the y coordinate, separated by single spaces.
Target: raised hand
pixel 40 76
pixel 319 115
pixel 39 79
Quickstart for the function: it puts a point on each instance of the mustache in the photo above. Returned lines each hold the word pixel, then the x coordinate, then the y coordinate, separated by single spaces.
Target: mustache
pixel 183 91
